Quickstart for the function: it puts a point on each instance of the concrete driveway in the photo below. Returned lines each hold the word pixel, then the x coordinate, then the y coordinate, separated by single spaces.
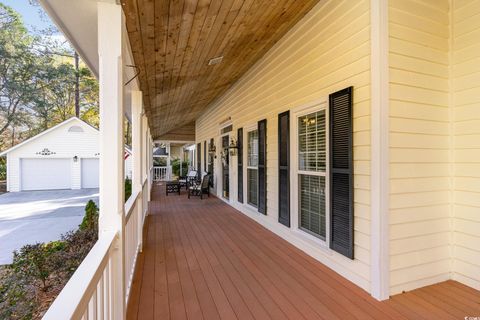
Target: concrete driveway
pixel 29 217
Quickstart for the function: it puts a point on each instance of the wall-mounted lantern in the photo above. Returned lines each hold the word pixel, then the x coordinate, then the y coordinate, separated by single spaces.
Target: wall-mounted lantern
pixel 233 147
pixel 75 159
pixel 212 150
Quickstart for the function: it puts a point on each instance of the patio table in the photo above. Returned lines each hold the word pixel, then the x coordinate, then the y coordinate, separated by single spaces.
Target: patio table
pixel 172 187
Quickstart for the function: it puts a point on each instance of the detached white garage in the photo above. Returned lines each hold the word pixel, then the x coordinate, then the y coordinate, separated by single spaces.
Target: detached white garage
pixel 63 157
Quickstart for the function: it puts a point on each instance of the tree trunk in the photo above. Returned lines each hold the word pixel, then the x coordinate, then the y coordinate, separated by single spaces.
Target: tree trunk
pixel 77 86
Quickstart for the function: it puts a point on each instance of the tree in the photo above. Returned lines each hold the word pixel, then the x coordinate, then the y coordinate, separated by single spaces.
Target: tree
pixel 39 81
pixel 18 68
pixel 89 103
pixel 54 101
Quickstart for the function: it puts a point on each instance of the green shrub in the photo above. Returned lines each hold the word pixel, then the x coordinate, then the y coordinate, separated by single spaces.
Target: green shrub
pixel 176 168
pixel 128 188
pixel 78 244
pixel 90 220
pixel 3 169
pixel 36 262
pixel 17 296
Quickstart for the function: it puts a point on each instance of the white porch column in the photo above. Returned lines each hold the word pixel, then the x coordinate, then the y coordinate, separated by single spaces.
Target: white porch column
pixel 169 162
pixel 145 141
pixel 112 215
pixel 138 158
pixel 149 162
pixel 379 245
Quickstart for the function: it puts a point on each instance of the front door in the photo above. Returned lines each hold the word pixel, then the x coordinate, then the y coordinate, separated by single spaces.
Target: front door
pixel 225 167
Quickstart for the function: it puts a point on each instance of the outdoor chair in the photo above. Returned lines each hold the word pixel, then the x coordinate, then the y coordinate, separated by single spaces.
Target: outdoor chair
pixel 191 178
pixel 199 189
pixel 183 180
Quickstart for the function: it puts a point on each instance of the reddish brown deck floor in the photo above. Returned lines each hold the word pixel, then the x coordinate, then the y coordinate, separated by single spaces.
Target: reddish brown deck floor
pixel 204 260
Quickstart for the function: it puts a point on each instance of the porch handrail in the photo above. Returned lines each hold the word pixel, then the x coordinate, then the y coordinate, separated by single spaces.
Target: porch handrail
pixel 130 204
pixel 89 284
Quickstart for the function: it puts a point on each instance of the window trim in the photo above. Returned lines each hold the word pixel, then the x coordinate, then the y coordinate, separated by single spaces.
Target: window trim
pixel 220 166
pixel 295 113
pixel 246 129
pixel 252 167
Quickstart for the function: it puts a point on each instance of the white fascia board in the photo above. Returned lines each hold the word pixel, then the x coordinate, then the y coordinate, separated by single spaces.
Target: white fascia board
pixel 77 20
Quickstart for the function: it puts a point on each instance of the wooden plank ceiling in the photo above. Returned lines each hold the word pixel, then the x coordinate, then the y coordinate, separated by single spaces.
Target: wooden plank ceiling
pixel 180 133
pixel 173 40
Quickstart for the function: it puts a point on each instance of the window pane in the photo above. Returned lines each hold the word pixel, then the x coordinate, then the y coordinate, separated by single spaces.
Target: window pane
pixel 312 204
pixel 252 152
pixel 252 187
pixel 312 142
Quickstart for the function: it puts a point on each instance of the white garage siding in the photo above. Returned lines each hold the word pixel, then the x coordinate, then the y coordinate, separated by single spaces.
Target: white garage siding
pixel 90 173
pixel 45 174
pixel 71 139
pixel 65 141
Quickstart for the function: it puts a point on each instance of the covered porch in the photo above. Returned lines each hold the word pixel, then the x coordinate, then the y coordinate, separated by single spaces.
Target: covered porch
pixel 274 98
pixel 203 259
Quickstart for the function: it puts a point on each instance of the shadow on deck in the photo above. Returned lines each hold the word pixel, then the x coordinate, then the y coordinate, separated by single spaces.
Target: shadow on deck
pixel 202 259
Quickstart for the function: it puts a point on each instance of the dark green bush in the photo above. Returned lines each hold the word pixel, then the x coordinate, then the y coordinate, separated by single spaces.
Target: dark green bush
pixel 3 169
pixel 37 262
pixel 128 188
pixel 79 243
pixel 176 168
pixel 90 220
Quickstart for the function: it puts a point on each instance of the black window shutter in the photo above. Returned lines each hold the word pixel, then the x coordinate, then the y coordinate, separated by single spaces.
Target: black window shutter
pixel 262 166
pixel 211 159
pixel 283 168
pixel 205 155
pixel 199 159
pixel 341 172
pixel 240 164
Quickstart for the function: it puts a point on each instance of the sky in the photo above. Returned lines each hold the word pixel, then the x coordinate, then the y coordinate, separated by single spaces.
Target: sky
pixel 35 18
pixel 30 14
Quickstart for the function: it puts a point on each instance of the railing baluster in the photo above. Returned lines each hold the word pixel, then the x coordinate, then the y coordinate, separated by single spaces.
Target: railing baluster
pixel 106 279
pixel 94 305
pixel 100 288
pixel 161 173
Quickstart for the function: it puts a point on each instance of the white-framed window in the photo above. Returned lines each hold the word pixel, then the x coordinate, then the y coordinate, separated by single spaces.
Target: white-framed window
pixel 311 170
pixel 252 167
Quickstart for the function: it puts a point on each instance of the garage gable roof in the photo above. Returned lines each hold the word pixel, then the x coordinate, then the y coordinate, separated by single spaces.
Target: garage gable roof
pixel 71 120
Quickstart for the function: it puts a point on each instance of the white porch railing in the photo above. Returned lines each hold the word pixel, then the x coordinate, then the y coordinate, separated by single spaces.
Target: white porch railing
pixel 162 173
pixel 135 210
pixel 88 294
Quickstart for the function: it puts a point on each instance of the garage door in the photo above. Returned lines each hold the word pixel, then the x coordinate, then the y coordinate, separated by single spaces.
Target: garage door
pixel 45 174
pixel 90 174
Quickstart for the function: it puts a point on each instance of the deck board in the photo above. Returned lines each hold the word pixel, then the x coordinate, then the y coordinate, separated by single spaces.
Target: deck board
pixel 202 259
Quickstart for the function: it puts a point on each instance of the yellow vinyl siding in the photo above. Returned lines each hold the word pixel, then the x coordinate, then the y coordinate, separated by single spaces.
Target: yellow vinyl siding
pixel 328 50
pixel 466 130
pixel 419 143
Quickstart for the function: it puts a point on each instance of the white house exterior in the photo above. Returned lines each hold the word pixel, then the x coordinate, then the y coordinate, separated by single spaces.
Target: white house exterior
pixel 65 156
